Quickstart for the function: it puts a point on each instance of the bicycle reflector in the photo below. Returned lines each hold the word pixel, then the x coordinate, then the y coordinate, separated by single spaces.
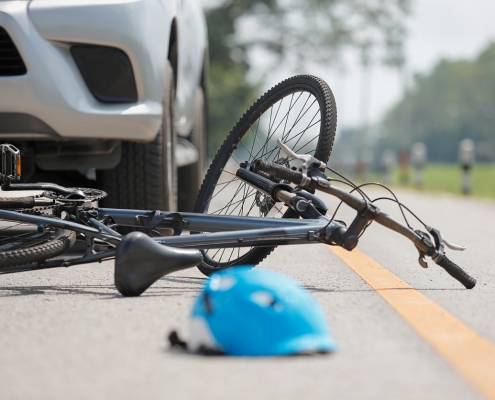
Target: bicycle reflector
pixel 11 163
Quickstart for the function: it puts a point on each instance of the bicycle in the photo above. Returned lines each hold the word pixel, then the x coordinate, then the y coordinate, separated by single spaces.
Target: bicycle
pixel 270 166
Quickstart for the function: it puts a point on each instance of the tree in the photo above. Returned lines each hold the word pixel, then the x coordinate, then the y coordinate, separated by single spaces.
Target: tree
pixel 295 31
pixel 455 101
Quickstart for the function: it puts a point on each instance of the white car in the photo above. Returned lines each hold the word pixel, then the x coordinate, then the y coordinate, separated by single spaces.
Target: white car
pixel 112 87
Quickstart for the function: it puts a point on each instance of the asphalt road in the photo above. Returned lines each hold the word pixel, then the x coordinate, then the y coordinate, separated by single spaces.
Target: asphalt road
pixel 67 333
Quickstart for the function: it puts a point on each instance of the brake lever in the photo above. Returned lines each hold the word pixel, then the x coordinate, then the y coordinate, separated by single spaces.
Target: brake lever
pixel 451 246
pixel 308 162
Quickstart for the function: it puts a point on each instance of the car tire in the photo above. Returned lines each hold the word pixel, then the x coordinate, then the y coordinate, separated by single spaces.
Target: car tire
pixel 191 176
pixel 146 177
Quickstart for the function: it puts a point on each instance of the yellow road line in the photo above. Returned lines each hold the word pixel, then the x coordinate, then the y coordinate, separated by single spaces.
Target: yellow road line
pixel 469 353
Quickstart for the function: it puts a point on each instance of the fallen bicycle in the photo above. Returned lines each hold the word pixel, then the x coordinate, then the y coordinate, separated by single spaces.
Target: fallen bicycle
pixel 259 193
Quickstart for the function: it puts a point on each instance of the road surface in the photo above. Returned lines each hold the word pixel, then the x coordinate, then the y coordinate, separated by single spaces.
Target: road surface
pixel 67 333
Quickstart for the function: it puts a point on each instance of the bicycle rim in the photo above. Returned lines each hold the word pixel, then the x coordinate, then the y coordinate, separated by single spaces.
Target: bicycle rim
pixel 301 112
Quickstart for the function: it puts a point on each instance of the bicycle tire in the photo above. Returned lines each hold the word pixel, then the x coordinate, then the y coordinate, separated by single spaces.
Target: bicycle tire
pixel 16 202
pixel 325 134
pixel 55 242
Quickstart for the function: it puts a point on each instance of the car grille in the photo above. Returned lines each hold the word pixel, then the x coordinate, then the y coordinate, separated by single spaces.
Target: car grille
pixel 10 60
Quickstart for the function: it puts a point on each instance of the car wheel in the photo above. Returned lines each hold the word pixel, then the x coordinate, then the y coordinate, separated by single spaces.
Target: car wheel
pixel 146 177
pixel 191 176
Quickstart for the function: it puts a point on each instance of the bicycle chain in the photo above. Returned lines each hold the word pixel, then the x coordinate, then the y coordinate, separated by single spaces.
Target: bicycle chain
pixel 37 209
pixel 59 200
pixel 90 196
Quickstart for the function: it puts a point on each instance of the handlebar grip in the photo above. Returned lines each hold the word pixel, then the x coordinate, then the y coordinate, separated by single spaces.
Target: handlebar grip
pixel 260 182
pixel 16 202
pixel 457 272
pixel 279 171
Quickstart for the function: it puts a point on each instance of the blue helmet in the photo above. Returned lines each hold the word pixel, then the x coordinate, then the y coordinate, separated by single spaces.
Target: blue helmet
pixel 244 312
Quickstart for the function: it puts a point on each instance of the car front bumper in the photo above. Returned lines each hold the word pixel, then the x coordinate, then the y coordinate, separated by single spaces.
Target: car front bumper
pixel 53 90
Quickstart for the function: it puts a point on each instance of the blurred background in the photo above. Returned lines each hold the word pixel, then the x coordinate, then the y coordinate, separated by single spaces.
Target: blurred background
pixel 414 81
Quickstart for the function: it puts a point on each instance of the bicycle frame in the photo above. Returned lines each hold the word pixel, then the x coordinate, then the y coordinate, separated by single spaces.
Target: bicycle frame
pixel 224 232
pixel 230 231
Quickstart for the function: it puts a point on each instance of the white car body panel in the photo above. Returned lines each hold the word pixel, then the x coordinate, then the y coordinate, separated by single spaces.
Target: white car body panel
pixel 53 89
pixel 191 25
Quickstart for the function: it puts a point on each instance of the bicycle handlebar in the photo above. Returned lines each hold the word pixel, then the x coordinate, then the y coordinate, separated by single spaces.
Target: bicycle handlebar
pixel 279 171
pixel 352 201
pixel 373 213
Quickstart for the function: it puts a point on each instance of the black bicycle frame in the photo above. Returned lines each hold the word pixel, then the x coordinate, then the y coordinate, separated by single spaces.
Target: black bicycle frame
pixel 231 231
pixel 223 232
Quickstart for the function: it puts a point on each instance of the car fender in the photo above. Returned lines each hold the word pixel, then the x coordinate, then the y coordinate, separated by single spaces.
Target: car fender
pixel 192 38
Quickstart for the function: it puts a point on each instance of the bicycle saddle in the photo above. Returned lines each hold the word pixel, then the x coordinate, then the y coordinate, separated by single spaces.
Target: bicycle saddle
pixel 140 261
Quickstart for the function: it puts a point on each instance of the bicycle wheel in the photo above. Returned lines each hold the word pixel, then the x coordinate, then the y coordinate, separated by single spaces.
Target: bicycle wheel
pixel 22 243
pixel 299 111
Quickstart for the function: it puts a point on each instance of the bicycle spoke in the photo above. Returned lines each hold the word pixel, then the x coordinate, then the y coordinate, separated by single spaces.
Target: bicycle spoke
pixel 243 183
pixel 221 255
pixel 255 136
pixel 240 202
pixel 226 184
pixel 231 253
pixel 285 136
pixel 11 226
pixel 312 140
pixel 286 116
pixel 231 203
pixel 301 133
pixel 11 240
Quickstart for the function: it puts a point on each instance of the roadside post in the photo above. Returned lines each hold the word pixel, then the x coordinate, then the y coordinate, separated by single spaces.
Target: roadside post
pixel 404 167
pixel 418 158
pixel 350 164
pixel 388 161
pixel 466 159
pixel 366 160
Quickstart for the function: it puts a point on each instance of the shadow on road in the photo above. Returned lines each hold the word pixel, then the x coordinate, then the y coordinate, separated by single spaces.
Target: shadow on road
pixel 185 285
pixel 178 286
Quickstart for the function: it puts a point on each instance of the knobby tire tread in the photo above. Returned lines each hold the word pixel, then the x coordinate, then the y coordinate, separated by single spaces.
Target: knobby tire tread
pixel 62 242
